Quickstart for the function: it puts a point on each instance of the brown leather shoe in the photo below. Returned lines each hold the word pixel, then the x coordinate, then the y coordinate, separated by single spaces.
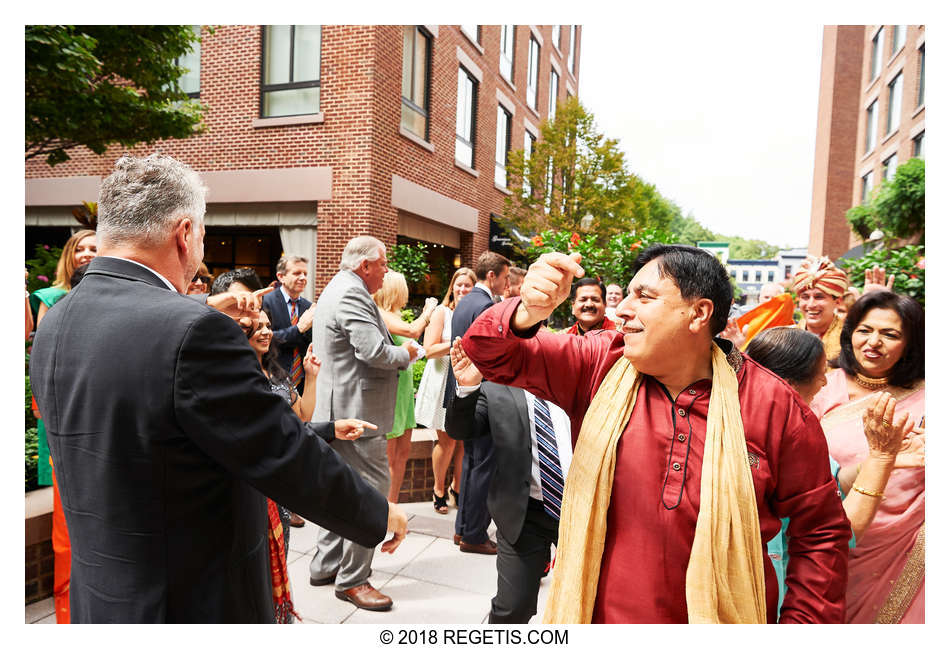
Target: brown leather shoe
pixel 488 547
pixel 295 521
pixel 366 597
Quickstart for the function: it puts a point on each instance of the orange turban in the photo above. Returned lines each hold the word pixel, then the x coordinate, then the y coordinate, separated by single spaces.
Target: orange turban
pixel 820 273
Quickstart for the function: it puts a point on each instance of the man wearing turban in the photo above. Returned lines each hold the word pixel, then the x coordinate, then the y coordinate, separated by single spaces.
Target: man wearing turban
pixel 819 285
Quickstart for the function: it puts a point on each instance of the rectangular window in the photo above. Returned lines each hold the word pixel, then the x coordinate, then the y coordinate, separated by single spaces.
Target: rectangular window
pixel 919 146
pixel 771 275
pixel 758 275
pixel 876 53
pixel 465 118
pixel 472 31
pixel 556 36
pixel 897 41
pixel 190 81
pixel 552 95
pixel 502 146
pixel 745 276
pixel 290 75
pixel 534 62
pixel 732 274
pixel 506 60
pixel 416 53
pixel 894 91
pixel 867 184
pixel 570 50
pixel 920 82
pixel 528 150
pixel 890 167
pixel 788 271
pixel 871 134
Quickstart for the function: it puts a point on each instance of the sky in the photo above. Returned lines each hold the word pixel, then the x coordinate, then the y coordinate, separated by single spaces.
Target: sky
pixel 720 117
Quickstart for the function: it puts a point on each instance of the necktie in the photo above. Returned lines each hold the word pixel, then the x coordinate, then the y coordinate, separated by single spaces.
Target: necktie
pixel 296 368
pixel 552 481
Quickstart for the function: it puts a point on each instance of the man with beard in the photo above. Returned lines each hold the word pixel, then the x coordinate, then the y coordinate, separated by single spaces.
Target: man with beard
pixel 589 307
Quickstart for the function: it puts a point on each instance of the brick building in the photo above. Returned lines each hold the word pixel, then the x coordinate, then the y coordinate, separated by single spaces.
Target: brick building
pixel 316 134
pixel 870 120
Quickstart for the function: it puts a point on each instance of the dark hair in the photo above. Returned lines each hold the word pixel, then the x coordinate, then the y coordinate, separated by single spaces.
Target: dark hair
pixel 246 276
pixel 910 367
pixel 697 274
pixel 490 261
pixel 793 354
pixel 589 281
pixel 270 361
pixel 78 274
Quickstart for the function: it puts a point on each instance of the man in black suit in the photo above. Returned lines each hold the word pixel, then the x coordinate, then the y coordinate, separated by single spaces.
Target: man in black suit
pixel 293 316
pixel 164 432
pixel 532 453
pixel 472 518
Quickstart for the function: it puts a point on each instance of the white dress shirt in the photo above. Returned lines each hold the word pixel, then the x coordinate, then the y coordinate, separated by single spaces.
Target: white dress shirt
pixel 151 270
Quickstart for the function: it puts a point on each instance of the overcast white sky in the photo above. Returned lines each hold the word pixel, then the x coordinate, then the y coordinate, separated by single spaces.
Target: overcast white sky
pixel 720 117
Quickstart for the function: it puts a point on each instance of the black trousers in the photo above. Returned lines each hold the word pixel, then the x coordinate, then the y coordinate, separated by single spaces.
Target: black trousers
pixel 520 567
pixel 478 464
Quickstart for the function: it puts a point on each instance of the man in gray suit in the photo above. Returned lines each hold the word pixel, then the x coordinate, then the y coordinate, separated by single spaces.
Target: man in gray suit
pixel 359 374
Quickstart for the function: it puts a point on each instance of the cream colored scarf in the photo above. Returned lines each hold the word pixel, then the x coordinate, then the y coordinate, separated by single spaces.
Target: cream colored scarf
pixel 725 579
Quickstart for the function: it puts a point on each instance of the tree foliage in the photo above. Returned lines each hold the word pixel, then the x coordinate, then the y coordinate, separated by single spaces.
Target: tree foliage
pixel 905 263
pixel 575 171
pixel 97 85
pixel 896 208
pixel 689 231
pixel 410 260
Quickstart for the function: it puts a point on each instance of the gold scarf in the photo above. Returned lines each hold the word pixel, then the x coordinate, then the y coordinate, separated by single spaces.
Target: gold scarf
pixel 725 578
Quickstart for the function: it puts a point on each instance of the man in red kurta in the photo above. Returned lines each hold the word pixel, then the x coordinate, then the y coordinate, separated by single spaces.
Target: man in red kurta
pixel 656 490
pixel 589 307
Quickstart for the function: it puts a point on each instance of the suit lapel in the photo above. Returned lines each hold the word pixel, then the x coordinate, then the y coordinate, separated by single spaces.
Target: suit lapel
pixel 521 406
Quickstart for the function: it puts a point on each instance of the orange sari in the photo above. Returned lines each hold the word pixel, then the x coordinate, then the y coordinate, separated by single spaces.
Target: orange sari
pixel 283 606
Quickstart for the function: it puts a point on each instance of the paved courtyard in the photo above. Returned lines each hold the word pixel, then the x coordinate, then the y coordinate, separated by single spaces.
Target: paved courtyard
pixel 429 579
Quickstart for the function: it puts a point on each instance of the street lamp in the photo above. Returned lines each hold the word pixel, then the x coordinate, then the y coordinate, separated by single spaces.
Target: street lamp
pixel 586 221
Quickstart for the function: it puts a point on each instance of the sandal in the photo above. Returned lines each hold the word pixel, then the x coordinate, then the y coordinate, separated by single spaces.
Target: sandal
pixel 440 504
pixel 454 497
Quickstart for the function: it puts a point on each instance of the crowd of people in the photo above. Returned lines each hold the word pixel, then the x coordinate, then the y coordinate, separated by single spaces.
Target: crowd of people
pixel 773 473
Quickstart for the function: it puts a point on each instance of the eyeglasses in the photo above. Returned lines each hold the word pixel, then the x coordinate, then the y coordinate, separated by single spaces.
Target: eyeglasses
pixel 204 279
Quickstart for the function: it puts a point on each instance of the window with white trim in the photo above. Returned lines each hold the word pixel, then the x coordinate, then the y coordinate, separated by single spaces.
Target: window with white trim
pixel 890 167
pixel 472 31
pixel 920 81
pixel 570 49
pixel 871 133
pixel 534 63
pixel 898 39
pixel 552 94
pixel 502 145
pixel 877 50
pixel 416 55
pixel 556 36
pixel 190 81
pixel 290 70
pixel 506 58
pixel 919 146
pixel 528 150
pixel 867 184
pixel 465 118
pixel 895 89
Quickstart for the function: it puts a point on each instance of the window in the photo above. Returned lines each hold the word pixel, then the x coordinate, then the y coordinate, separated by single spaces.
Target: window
pixel 416 52
pixel 788 271
pixel 894 91
pixel 732 274
pixel 556 36
pixel 867 183
pixel 900 36
pixel 920 83
pixel 291 70
pixel 876 53
pixel 502 146
pixel 465 119
pixel 758 275
pixel 890 167
pixel 528 150
pixel 871 135
pixel 771 275
pixel 190 81
pixel 919 146
pixel 534 61
pixel 745 276
pixel 472 31
pixel 570 50
pixel 552 95
pixel 506 61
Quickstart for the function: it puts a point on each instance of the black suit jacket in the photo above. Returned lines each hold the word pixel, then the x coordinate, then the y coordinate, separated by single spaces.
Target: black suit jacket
pixel 469 307
pixel 287 336
pixel 502 412
pixel 164 435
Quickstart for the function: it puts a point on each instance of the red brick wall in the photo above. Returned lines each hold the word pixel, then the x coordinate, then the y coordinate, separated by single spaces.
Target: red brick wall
pixel 361 68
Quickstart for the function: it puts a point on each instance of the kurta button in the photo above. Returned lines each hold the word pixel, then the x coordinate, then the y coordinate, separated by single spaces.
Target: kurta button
pixel 499 329
pixel 681 412
pixel 681 437
pixel 676 466
pixel 691 391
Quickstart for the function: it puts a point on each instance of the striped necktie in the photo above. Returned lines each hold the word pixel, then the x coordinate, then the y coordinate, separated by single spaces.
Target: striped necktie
pixel 552 481
pixel 296 368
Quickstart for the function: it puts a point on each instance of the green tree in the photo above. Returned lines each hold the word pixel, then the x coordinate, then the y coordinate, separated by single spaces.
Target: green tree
pixel 574 171
pixel 97 85
pixel 687 230
pixel 896 207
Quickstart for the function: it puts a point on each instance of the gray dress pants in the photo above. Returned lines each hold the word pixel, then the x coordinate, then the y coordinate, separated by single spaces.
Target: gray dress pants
pixel 351 561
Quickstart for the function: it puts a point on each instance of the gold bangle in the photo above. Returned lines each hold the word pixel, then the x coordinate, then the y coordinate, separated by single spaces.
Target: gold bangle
pixel 873 494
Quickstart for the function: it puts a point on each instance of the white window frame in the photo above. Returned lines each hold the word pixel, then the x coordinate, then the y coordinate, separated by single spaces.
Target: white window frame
pixel 506 54
pixel 465 115
pixel 502 145
pixel 534 70
pixel 895 92
pixel 870 139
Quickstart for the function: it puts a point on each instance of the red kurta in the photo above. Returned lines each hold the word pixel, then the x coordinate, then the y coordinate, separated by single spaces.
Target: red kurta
pixel 655 499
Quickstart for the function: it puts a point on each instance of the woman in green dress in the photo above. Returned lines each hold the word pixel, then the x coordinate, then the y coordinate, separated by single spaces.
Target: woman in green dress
pixel 391 298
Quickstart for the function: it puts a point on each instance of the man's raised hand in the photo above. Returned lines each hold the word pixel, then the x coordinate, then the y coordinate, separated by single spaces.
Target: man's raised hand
pixel 546 285
pixel 465 371
pixel 242 306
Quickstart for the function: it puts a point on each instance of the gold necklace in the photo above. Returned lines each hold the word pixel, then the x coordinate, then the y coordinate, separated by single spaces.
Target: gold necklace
pixel 868 382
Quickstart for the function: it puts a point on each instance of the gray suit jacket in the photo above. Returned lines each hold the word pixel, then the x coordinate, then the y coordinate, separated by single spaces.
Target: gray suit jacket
pixel 359 371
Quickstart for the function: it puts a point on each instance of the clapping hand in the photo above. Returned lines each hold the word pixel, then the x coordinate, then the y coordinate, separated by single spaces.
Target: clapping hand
pixel 912 450
pixel 874 280
pixel 311 364
pixel 462 366
pixel 305 321
pixel 734 334
pixel 350 429
pixel 884 433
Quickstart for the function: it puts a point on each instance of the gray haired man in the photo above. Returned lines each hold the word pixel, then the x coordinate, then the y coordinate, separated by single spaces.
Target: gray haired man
pixel 359 375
